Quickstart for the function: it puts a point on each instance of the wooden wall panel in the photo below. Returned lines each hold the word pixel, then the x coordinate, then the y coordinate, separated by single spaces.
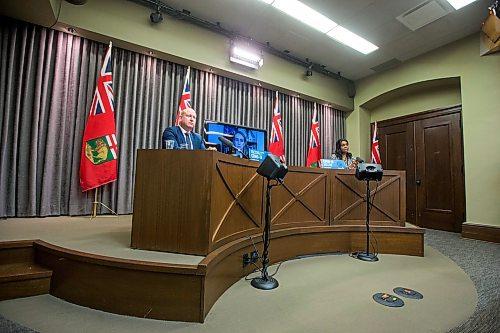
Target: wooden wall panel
pixel 236 202
pixel 303 199
pixel 348 204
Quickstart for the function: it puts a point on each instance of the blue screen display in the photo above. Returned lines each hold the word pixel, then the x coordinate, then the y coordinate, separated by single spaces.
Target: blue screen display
pixel 243 137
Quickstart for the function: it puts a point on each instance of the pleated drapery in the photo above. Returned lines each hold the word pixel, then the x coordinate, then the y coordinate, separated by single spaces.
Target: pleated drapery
pixel 47 81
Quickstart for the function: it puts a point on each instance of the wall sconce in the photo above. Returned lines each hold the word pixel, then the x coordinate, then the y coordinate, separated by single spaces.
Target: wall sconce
pixel 245 56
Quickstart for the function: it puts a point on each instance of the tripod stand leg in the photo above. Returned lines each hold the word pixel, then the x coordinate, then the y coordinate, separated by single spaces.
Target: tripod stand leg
pixel 95 203
pixel 266 282
pixel 367 256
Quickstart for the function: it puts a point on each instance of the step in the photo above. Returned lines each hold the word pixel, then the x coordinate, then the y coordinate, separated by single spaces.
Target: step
pixel 20 272
pixel 23 280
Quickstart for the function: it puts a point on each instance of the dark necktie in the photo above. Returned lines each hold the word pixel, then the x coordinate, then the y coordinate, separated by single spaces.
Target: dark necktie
pixel 188 141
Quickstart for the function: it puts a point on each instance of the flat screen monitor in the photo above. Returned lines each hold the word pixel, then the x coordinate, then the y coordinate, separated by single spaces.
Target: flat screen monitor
pixel 243 137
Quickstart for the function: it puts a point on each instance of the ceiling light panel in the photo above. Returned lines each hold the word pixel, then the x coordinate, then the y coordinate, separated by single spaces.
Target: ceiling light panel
pixel 350 39
pixel 312 18
pixel 457 4
pixel 305 14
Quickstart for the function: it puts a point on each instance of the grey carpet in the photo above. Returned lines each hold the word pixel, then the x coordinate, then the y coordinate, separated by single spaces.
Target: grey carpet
pixel 481 261
pixel 8 326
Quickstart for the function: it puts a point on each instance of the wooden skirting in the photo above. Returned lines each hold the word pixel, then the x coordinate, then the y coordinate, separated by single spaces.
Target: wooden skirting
pixel 481 232
pixel 188 292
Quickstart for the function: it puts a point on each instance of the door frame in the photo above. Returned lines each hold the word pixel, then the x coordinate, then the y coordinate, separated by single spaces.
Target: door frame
pixel 426 115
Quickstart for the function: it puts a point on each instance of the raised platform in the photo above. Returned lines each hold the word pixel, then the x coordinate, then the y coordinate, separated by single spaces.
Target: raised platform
pixel 93 265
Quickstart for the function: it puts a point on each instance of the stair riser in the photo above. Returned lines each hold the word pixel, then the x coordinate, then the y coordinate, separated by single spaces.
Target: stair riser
pixel 26 288
pixel 10 254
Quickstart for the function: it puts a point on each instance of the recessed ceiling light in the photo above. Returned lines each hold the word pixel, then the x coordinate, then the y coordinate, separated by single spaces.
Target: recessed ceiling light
pixel 350 39
pixel 305 14
pixel 314 19
pixel 457 4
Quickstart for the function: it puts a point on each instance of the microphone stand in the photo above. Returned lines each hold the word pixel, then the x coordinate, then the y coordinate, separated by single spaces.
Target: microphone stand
pixel 360 255
pixel 231 145
pixel 241 152
pixel 266 282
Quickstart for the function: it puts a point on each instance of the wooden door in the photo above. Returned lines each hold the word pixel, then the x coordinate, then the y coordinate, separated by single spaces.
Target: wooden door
pixel 428 146
pixel 439 175
pixel 400 156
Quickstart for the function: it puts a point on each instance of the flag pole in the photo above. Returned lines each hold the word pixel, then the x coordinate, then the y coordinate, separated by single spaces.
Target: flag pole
pixel 96 202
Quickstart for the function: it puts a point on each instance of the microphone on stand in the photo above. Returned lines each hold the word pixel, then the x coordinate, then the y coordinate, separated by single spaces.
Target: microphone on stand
pixel 230 144
pixel 226 142
pixel 360 160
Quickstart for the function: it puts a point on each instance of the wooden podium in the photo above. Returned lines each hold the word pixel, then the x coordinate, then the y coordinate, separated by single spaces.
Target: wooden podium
pixel 193 202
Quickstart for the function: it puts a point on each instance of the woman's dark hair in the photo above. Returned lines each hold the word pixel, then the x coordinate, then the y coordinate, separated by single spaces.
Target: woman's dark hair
pixel 338 149
pixel 244 135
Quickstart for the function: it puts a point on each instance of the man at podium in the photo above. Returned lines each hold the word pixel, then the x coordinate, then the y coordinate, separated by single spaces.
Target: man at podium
pixel 183 135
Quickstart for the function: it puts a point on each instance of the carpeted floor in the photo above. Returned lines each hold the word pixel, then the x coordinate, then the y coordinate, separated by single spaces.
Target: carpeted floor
pixel 481 262
pixel 318 294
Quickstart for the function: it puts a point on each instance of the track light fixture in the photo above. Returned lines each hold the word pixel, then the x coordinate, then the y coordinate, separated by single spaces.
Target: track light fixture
pixel 156 17
pixel 309 71
pixel 309 68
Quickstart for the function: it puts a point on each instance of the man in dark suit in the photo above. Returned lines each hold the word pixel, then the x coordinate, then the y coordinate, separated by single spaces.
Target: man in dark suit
pixel 183 135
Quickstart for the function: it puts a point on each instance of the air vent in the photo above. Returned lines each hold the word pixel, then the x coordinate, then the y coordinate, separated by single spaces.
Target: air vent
pixel 423 14
pixel 386 65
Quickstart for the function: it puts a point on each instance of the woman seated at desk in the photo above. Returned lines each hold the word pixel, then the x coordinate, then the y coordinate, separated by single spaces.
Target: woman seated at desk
pixel 342 153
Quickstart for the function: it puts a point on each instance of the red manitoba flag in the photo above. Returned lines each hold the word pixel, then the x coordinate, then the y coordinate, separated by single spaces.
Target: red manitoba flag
pixel 98 164
pixel 314 152
pixel 375 147
pixel 276 141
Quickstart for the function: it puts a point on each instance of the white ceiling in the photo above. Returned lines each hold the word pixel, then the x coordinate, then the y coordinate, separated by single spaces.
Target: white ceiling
pixel 373 20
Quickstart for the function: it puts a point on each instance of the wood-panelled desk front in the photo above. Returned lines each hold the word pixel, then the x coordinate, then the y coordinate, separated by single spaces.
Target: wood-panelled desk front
pixel 193 202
